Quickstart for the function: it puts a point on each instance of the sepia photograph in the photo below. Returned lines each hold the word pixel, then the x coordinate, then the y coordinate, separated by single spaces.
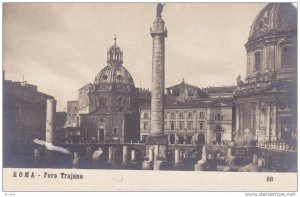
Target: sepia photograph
pixel 119 92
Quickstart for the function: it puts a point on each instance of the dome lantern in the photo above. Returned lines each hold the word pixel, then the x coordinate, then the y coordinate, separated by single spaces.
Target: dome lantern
pixel 114 74
pixel 115 55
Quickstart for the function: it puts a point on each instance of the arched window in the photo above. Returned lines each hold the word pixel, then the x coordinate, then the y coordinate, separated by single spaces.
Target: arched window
pixel 115 132
pixel 120 101
pixel 289 56
pixel 257 57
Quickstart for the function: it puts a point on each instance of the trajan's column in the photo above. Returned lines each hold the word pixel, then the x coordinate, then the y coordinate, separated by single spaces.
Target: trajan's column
pixel 158 32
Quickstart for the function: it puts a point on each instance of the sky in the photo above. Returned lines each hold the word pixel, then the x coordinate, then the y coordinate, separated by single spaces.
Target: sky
pixel 60 47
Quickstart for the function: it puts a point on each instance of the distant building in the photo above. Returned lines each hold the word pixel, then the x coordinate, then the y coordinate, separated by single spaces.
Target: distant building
pixel 83 99
pixel 192 117
pixel 266 103
pixel 24 115
pixel 72 114
pixel 184 92
pixel 59 124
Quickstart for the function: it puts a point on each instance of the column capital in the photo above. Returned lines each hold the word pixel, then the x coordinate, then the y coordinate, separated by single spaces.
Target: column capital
pixel 158 28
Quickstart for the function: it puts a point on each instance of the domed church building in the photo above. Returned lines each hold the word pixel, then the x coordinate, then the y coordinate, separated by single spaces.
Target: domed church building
pixel 266 102
pixel 113 111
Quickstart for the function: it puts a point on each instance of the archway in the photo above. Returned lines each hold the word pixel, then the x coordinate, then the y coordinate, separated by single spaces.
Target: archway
pixel 172 139
pixel 180 139
pixel 201 138
pixel 189 139
pixel 218 138
pixel 218 131
pixel 100 135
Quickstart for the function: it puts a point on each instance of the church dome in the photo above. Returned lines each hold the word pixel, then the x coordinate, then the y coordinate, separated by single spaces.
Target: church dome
pixel 114 72
pixel 273 18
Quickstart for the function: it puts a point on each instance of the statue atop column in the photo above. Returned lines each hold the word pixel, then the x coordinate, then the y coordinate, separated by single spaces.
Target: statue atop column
pixel 159 9
pixel 239 81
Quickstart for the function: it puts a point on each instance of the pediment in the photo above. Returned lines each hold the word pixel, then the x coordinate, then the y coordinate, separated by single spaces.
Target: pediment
pixel 101 125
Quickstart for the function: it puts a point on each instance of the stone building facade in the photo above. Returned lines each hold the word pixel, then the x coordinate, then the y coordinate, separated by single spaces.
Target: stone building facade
pixel 266 103
pixel 192 117
pixel 24 115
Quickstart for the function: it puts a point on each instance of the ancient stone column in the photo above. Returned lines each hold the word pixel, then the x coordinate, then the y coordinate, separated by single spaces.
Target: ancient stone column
pixel 110 154
pixel 274 119
pixel 75 161
pixel 132 155
pixel 181 156
pixel 125 154
pixel 158 32
pixel 151 154
pixel 177 156
pixel 237 127
pixel 268 123
pixel 156 152
pixel 157 165
pixel 255 159
pixel 229 151
pixel 257 120
pixel 203 153
pixel 208 140
pixel 37 153
pixel 50 118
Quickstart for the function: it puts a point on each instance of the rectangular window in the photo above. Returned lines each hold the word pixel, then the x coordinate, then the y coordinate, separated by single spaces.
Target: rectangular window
pixel 181 125
pixel 115 132
pixel 257 57
pixel 145 125
pixel 289 56
pixel 202 114
pixel 190 115
pixel 145 115
pixel 190 125
pixel 172 126
pixel 181 115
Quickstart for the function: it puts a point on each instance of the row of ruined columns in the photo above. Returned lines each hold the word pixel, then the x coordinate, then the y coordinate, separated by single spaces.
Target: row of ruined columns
pixel 256 115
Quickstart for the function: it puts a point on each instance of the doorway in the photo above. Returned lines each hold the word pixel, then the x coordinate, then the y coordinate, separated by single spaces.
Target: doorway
pixel 201 139
pixel 218 138
pixel 100 135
